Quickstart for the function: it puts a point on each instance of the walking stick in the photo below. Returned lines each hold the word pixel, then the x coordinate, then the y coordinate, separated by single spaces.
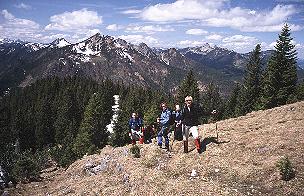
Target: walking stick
pixel 214 113
pixel 173 138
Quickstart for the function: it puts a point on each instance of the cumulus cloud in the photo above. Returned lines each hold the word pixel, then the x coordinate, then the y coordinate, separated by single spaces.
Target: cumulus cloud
pixel 220 14
pixel 185 43
pixel 239 43
pixel 23 6
pixel 214 37
pixel 181 10
pixel 136 39
pixel 114 27
pixel 76 20
pixel 148 29
pixel 18 28
pixel 196 32
pixel 240 39
pixel 248 21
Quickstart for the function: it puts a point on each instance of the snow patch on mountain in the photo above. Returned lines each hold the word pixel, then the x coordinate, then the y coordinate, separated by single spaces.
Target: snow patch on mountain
pixel 124 54
pixel 59 43
pixel 82 48
pixel 204 49
pixel 35 46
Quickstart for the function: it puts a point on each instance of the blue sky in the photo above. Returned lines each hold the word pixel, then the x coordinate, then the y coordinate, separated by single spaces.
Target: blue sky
pixel 236 25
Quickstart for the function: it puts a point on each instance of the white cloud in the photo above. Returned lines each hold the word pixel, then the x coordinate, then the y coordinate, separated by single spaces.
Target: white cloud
pixel 239 43
pixel 216 14
pixel 131 11
pixel 196 32
pixel 17 28
pixel 240 39
pixel 114 27
pixel 214 37
pixel 248 21
pixel 23 6
pixel 185 43
pixel 74 21
pixel 136 39
pixel 181 10
pixel 149 29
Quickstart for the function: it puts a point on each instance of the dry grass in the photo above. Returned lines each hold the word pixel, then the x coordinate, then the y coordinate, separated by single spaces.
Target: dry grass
pixel 242 162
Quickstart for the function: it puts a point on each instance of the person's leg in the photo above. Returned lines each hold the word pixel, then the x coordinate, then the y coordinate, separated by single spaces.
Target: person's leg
pixel 165 134
pixel 133 136
pixel 160 137
pixel 178 133
pixel 185 131
pixel 194 131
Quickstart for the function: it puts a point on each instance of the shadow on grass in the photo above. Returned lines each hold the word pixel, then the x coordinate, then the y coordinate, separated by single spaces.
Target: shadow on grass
pixel 209 140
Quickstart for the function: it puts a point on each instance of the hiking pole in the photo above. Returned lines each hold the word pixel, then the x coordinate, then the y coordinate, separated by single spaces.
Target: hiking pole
pixel 214 113
pixel 173 138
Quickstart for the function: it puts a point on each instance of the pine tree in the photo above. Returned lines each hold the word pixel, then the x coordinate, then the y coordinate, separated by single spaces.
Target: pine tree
pixel 189 86
pixel 300 92
pixel 281 73
pixel 66 124
pixel 233 103
pixel 92 133
pixel 212 100
pixel 250 96
pixel 44 133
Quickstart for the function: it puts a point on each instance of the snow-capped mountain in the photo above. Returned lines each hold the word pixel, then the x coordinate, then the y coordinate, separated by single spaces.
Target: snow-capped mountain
pixel 59 43
pixel 202 50
pixel 100 57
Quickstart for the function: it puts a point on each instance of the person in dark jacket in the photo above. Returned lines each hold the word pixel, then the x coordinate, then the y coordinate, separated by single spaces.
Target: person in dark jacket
pixel 165 125
pixel 135 125
pixel 190 120
pixel 178 123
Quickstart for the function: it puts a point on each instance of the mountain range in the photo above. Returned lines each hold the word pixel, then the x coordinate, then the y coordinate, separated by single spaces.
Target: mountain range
pixel 102 56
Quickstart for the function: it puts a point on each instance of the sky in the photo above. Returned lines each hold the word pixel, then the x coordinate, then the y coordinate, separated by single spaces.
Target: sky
pixel 233 24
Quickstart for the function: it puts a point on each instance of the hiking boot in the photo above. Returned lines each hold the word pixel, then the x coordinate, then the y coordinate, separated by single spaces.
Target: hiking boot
pixel 198 145
pixel 167 148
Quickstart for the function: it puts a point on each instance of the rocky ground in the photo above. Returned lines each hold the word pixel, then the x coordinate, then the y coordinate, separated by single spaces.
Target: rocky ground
pixel 242 161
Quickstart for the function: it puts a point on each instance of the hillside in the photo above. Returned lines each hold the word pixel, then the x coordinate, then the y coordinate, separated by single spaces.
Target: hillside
pixel 242 162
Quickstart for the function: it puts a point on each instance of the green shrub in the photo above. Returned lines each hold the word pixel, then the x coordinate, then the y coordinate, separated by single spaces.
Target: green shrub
pixel 285 167
pixel 26 168
pixel 135 151
pixel 64 156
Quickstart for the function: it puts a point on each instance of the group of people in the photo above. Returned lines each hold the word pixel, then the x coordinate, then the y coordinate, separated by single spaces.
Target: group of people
pixel 185 121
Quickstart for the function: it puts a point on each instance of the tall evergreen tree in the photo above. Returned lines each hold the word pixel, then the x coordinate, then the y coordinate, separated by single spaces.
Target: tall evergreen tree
pixel 232 103
pixel 281 73
pixel 212 100
pixel 66 124
pixel 44 133
pixel 188 86
pixel 92 133
pixel 250 96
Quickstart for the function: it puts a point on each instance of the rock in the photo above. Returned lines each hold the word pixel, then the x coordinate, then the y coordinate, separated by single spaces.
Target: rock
pixel 5 193
pixel 193 173
pixel 89 165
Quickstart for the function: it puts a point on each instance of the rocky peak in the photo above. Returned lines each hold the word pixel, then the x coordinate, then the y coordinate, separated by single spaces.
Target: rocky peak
pixel 59 43
pixel 145 50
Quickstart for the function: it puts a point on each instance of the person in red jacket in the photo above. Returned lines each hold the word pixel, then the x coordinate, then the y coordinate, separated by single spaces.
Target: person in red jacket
pixel 190 119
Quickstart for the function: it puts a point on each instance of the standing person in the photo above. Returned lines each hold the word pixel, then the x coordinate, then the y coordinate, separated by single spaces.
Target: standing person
pixel 135 125
pixel 165 125
pixel 190 120
pixel 178 123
